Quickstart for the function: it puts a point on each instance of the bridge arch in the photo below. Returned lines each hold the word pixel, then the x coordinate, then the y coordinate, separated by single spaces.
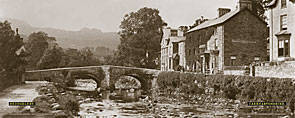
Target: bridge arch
pixel 78 74
pixel 127 82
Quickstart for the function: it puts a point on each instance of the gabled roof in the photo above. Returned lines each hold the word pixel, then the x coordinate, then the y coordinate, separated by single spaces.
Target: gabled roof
pixel 219 20
pixel 215 21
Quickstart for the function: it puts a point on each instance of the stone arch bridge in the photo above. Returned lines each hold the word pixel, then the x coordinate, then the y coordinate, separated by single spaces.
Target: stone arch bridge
pixel 105 76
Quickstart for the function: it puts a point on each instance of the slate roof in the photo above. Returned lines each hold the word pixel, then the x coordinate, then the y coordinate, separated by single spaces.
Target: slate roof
pixel 215 21
pixel 220 20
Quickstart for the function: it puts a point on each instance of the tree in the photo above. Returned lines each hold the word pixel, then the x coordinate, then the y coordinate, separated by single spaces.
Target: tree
pixel 76 58
pixel 9 45
pixel 36 46
pixel 259 7
pixel 140 38
pixel 71 58
pixel 51 58
pixel 88 58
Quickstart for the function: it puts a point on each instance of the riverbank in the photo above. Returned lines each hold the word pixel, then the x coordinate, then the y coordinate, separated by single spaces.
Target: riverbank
pixel 62 103
pixel 17 93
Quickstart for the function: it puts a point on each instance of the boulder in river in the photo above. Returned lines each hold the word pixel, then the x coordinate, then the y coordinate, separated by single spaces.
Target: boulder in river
pixel 57 107
pixel 52 100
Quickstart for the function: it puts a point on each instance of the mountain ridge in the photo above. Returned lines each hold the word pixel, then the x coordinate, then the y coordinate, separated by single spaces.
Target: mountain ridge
pixel 85 37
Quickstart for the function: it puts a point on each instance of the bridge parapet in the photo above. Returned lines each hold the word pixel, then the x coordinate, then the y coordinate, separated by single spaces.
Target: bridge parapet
pixel 105 76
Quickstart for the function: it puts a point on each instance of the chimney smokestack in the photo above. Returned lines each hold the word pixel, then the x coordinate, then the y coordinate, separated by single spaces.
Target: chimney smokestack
pixel 222 11
pixel 245 4
pixel 16 31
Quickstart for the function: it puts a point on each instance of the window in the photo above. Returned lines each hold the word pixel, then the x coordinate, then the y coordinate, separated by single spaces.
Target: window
pixel 233 60
pixel 283 50
pixel 283 4
pixel 170 63
pixel 173 32
pixel 256 59
pixel 284 22
pixel 216 44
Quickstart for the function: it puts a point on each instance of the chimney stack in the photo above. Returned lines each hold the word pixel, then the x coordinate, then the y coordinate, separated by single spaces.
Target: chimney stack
pixel 222 11
pixel 16 31
pixel 245 4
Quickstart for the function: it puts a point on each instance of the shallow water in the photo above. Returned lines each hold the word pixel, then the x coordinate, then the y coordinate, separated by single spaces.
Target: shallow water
pixel 124 104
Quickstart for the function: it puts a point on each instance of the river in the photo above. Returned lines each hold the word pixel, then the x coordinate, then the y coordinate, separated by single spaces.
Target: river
pixel 126 104
pixel 18 93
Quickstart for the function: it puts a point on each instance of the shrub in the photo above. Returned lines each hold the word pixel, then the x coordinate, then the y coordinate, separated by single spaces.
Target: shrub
pixel 72 106
pixel 8 79
pixel 234 87
pixel 70 83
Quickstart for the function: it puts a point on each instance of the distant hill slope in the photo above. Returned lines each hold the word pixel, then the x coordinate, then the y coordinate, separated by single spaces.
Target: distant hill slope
pixel 71 39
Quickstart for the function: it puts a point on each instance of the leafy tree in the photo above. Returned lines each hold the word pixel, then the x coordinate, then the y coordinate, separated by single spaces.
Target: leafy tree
pixel 9 45
pixel 108 60
pixel 259 7
pixel 36 46
pixel 51 58
pixel 102 51
pixel 140 38
pixel 88 58
pixel 71 58
pixel 76 58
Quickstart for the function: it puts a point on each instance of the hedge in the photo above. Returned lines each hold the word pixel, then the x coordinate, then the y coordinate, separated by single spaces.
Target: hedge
pixel 246 88
pixel 8 79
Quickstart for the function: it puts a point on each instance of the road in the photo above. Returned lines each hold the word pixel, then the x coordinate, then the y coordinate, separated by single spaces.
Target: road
pixel 17 93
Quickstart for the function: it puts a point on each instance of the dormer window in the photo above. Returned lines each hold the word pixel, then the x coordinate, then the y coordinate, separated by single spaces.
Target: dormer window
pixel 283 4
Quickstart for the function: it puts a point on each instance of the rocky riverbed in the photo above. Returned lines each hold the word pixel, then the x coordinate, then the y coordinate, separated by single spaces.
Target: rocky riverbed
pixel 61 102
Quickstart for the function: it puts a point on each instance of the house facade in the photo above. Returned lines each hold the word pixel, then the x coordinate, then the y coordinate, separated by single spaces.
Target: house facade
pixel 235 38
pixel 282 29
pixel 172 49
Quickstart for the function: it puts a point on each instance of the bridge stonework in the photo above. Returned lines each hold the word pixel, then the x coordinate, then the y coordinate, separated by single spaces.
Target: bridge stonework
pixel 105 76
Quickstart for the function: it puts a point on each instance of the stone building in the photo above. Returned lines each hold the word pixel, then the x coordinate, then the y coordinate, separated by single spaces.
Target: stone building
pixel 234 38
pixel 172 49
pixel 282 29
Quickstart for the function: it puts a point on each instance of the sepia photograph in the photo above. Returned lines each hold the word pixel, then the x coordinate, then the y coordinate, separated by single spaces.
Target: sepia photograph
pixel 147 58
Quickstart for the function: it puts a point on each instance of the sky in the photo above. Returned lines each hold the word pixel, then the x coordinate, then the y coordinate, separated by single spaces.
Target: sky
pixel 106 15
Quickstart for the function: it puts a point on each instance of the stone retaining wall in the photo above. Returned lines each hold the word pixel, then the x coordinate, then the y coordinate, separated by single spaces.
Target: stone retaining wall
pixel 283 70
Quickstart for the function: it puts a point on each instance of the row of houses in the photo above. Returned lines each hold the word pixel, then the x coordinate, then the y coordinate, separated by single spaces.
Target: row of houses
pixel 234 39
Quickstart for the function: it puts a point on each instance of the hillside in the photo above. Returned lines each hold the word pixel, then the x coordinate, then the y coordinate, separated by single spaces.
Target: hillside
pixel 72 39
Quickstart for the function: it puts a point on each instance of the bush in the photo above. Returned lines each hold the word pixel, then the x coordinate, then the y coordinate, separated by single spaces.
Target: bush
pixel 71 83
pixel 234 87
pixel 72 106
pixel 8 79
